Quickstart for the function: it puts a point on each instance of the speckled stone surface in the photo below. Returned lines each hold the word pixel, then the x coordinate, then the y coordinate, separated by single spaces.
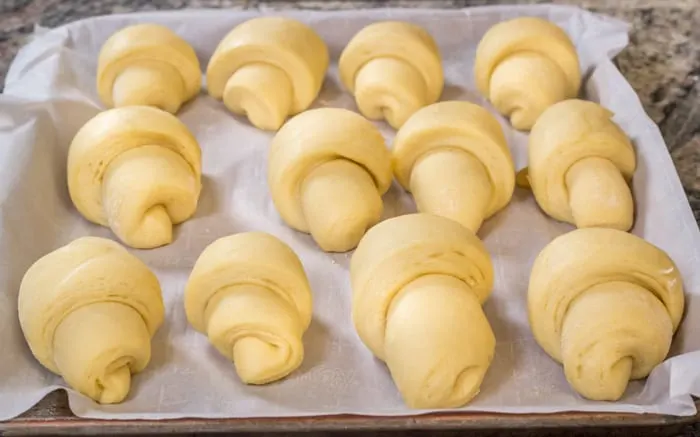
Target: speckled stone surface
pixel 662 63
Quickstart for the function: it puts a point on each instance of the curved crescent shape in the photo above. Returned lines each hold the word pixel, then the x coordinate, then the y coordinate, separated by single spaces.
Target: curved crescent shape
pixel 327 171
pixel 150 65
pixel 137 170
pixel 418 284
pixel 268 68
pixel 525 65
pixel 88 312
pixel 249 293
pixel 393 69
pixel 454 158
pixel 580 163
pixel 604 303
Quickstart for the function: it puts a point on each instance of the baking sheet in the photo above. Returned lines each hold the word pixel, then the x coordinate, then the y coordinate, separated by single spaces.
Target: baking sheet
pixel 50 94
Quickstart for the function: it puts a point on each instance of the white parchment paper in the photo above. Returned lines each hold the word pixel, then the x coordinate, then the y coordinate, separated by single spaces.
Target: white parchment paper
pixel 50 94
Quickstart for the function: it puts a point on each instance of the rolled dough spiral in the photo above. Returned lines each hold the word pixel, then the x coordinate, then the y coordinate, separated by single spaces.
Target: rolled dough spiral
pixel 393 69
pixel 418 282
pixel 604 303
pixel 136 170
pixel 580 163
pixel 268 68
pixel 88 311
pixel 525 65
pixel 147 64
pixel 249 293
pixel 328 169
pixel 454 158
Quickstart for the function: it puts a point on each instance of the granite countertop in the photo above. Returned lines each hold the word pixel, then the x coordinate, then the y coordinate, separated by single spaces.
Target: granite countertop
pixel 662 62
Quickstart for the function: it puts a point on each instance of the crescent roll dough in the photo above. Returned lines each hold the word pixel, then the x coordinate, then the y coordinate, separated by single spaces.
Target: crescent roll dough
pixel 418 283
pixel 454 158
pixel 328 169
pixel 249 294
pixel 604 303
pixel 393 69
pixel 88 311
pixel 147 64
pixel 268 69
pixel 136 170
pixel 525 65
pixel 580 163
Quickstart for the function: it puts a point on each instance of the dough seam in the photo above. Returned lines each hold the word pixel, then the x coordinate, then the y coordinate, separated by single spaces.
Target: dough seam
pixel 73 309
pixel 102 165
pixel 386 56
pixel 525 42
pixel 585 351
pixel 271 63
pixel 460 149
pixel 400 289
pixel 332 159
pixel 143 57
pixel 274 291
pixel 264 335
pixel 630 279
pixel 564 185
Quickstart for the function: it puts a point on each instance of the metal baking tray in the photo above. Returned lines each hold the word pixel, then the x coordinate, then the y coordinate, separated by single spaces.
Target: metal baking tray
pixel 52 417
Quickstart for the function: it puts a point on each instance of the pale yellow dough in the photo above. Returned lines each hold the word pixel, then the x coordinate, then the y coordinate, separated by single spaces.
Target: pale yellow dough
pixel 454 158
pixel 147 64
pixel 88 312
pixel 136 170
pixel 393 69
pixel 249 293
pixel 580 165
pixel 268 68
pixel 327 171
pixel 418 284
pixel 525 65
pixel 604 303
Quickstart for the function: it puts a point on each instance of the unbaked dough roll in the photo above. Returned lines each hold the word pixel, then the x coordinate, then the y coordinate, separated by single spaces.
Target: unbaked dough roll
pixel 454 158
pixel 147 64
pixel 604 303
pixel 418 283
pixel 249 293
pixel 580 165
pixel 136 170
pixel 88 311
pixel 525 65
pixel 328 169
pixel 268 68
pixel 393 69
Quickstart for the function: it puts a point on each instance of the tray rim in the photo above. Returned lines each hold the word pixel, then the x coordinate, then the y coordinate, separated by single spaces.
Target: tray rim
pixel 344 422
